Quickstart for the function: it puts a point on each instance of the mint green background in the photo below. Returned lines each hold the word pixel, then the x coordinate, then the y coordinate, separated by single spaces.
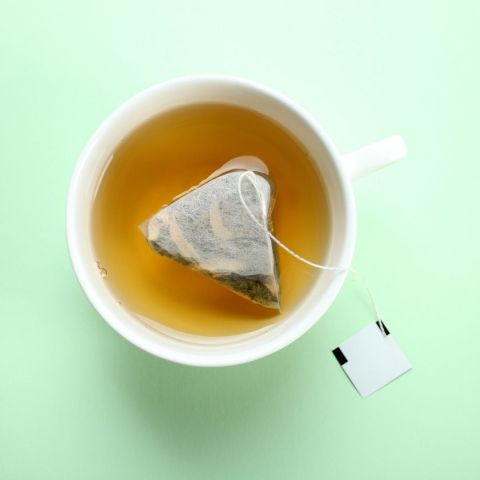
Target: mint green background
pixel 79 402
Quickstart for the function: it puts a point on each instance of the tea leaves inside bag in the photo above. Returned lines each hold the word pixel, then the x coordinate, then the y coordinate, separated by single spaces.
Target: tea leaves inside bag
pixel 209 230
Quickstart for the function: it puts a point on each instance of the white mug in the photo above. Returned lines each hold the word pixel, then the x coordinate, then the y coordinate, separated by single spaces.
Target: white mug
pixel 337 170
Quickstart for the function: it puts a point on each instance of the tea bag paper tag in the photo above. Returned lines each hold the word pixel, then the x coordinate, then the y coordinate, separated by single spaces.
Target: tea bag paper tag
pixel 371 359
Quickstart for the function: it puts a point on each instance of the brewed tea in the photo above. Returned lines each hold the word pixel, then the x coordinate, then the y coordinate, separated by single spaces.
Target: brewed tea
pixel 168 155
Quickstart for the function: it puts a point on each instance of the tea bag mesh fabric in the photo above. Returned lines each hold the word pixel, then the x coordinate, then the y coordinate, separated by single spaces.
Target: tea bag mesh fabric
pixel 209 230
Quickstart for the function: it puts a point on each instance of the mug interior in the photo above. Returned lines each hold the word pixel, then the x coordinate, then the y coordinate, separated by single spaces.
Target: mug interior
pixel 156 338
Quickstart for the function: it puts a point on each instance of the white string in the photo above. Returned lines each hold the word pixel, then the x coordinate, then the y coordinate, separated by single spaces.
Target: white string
pixel 253 180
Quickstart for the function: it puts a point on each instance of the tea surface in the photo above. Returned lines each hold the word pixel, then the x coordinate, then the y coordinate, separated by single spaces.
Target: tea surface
pixel 165 157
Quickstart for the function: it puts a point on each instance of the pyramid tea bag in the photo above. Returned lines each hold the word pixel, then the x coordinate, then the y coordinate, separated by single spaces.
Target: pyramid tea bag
pixel 209 230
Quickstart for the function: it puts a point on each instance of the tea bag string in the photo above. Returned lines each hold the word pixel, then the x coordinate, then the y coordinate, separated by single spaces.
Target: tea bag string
pixel 253 180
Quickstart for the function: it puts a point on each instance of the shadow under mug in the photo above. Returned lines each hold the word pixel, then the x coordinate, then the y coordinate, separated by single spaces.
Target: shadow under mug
pixel 337 171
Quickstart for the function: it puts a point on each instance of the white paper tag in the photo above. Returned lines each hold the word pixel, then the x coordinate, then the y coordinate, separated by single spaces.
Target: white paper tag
pixel 370 359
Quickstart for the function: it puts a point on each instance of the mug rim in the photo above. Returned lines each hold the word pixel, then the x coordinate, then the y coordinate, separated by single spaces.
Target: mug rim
pixel 189 358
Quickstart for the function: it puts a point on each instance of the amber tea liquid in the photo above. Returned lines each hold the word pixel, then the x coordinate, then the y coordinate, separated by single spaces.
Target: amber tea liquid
pixel 168 155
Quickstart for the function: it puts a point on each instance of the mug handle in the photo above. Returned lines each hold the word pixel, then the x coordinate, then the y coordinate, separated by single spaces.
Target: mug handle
pixel 372 157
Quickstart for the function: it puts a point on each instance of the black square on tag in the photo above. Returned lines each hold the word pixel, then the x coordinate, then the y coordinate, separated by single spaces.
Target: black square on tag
pixel 342 360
